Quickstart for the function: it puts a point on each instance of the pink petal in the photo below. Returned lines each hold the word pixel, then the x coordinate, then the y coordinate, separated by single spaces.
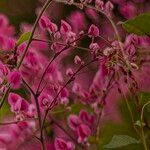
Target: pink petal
pixel 44 22
pixel 65 27
pixel 83 132
pixel 5 138
pixel 14 78
pixel 60 144
pixel 93 31
pixel 73 121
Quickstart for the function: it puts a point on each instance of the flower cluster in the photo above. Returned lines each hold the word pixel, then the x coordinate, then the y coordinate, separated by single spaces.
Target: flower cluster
pixel 68 75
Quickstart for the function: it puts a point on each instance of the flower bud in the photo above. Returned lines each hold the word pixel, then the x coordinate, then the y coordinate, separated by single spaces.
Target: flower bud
pixel 93 31
pixel 77 60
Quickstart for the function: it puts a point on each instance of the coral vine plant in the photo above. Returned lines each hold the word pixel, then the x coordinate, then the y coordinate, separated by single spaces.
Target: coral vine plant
pixel 79 80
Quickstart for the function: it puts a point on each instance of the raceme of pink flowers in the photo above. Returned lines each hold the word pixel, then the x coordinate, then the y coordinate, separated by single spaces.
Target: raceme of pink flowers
pixel 62 85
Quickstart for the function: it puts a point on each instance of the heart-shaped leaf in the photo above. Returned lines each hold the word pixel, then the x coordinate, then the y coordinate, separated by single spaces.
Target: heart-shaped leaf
pixel 120 141
pixel 139 25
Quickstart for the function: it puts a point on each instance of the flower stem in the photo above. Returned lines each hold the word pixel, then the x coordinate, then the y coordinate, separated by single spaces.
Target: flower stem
pixel 48 2
pixel 51 61
pixel 142 131
pixel 68 82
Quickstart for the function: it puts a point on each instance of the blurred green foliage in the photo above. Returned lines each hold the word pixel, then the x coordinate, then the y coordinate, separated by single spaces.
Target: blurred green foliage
pixel 125 128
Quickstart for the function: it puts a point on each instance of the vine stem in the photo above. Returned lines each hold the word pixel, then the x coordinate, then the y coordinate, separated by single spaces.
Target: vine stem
pixel 143 136
pixel 38 113
pixel 53 58
pixel 48 2
pixel 15 122
pixel 26 49
pixel 69 81
pixel 128 105
pixel 65 131
pixel 41 124
pixel 103 101
pixel 64 44
pixel 111 22
pixel 122 51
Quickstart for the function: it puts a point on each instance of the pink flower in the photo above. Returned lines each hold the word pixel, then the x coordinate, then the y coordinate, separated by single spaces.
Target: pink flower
pixel 44 100
pixel 57 35
pixel 93 31
pixel 5 138
pixel 52 27
pixel 3 20
pixel 44 22
pixel 94 47
pixel 70 1
pixel 108 8
pixel 9 43
pixel 61 144
pixel 56 47
pixel 5 28
pixel 64 101
pixel 14 78
pixel 92 14
pixel 73 122
pixel 130 50
pixel 31 110
pixel 4 70
pixel 83 131
pixel 69 72
pixel 64 93
pixel 99 4
pixel 24 105
pixel 116 44
pixel 76 88
pixel 132 39
pixel 77 60
pixel 85 1
pixel 65 27
pixel 77 21
pixel 86 118
pixel 17 103
pixel 128 10
pixel 70 37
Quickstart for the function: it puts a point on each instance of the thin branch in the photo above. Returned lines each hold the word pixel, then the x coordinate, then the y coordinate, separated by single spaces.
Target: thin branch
pixel 28 86
pixel 69 81
pixel 48 2
pixel 54 57
pixel 61 43
pixel 111 22
pixel 66 132
pixel 26 49
pixel 105 93
pixel 143 135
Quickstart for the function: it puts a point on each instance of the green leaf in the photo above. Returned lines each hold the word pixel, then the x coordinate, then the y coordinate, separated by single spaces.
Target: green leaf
pixel 4 111
pixel 23 38
pixel 120 141
pixel 139 25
